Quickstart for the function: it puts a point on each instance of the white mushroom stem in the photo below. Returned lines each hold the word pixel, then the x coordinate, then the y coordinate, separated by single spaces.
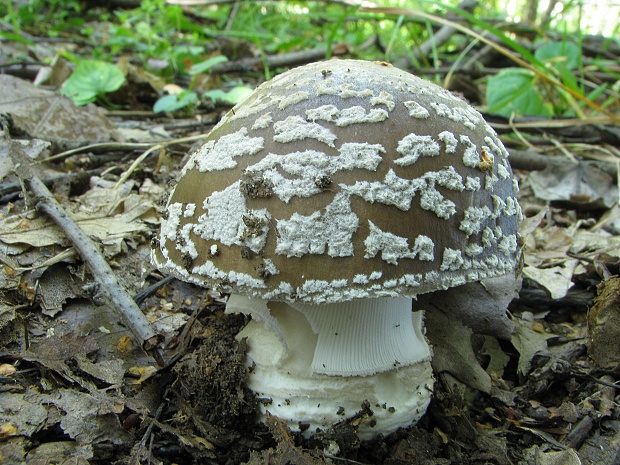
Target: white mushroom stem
pixel 319 363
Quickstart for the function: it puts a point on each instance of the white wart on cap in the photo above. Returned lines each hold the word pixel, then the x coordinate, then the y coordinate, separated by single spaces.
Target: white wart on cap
pixel 343 181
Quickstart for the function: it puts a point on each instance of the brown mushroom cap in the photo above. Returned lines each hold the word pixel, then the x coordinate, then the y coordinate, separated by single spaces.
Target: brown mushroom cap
pixel 340 180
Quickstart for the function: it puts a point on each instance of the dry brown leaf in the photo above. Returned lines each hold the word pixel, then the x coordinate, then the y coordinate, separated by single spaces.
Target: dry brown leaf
pixel 528 343
pixel 453 352
pixel 23 411
pixel 144 373
pixel 43 114
pixel 557 280
pixel 8 430
pixel 7 370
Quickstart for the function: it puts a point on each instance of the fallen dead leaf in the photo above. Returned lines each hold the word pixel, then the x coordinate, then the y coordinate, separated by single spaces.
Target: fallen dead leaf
pixel 8 430
pixel 144 373
pixel 453 352
pixel 7 370
pixel 528 342
pixel 43 114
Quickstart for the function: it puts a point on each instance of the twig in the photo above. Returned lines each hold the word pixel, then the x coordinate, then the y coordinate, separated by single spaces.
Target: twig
pixel 528 160
pixel 11 187
pixel 275 61
pixel 121 301
pixel 444 33
pixel 541 73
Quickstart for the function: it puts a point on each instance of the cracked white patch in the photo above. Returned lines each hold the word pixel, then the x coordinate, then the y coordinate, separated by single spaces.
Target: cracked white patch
pixel 270 267
pixel 171 225
pixel 357 115
pixel 468 117
pixel 296 128
pixel 399 192
pixel 490 181
pixel 263 121
pixel 296 174
pixel 327 87
pixel 432 200
pixel 473 250
pixel 189 210
pixel 447 177
pixel 412 146
pixel 384 98
pixel 416 110
pixel 220 155
pixel 508 244
pixel 293 99
pixel 452 260
pixel 471 157
pixel 502 170
pixel 450 141
pixel 394 248
pixel 393 190
pixel 496 145
pixel 323 113
pixel 474 218
pixel 472 184
pixel 241 111
pixel 223 218
pixel 332 230
pixel 489 239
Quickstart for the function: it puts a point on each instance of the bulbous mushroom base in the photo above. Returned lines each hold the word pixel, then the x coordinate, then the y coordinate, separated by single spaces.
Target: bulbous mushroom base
pixel 314 366
pixel 377 404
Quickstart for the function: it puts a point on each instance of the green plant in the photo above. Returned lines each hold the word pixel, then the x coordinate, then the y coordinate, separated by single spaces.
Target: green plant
pixel 50 18
pixel 174 102
pixel 91 80
pixel 232 97
pixel 522 92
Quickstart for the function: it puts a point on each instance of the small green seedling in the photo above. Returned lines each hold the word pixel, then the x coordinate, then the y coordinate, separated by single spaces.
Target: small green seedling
pixel 92 79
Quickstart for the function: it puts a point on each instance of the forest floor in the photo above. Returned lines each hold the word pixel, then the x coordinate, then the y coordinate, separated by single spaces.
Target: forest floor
pixel 77 388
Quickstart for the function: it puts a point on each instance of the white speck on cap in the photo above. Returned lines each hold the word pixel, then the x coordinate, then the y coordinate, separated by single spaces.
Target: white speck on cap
pixel 416 110
pixel 295 128
pixel 221 154
pixel 412 146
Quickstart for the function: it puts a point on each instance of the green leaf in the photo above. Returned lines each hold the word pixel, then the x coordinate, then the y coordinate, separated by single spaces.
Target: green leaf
pixel 206 65
pixel 14 37
pixel 90 79
pixel 233 96
pixel 503 37
pixel 513 90
pixel 174 102
pixel 562 55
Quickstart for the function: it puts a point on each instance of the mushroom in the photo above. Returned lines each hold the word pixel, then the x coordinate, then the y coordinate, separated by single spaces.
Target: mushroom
pixel 324 203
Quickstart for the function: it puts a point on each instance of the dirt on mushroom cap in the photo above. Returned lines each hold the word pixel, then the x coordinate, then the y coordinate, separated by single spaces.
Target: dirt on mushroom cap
pixel 341 180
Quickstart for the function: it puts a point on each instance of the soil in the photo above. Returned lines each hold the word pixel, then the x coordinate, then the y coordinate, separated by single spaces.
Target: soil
pixel 563 405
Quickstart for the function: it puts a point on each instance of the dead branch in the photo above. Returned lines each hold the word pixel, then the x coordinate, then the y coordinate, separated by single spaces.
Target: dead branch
pixel 443 34
pixel 121 301
pixel 275 61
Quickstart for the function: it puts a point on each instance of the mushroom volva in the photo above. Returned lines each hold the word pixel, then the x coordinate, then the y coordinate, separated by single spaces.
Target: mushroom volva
pixel 324 203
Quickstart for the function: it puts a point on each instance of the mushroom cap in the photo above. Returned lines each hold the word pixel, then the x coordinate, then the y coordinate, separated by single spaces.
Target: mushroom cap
pixel 340 180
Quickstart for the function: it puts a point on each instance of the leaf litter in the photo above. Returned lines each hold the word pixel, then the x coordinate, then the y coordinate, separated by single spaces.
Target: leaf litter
pixel 82 387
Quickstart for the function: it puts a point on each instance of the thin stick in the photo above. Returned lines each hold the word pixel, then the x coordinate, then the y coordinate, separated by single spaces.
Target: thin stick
pixel 276 61
pixel 121 301
pixel 410 13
